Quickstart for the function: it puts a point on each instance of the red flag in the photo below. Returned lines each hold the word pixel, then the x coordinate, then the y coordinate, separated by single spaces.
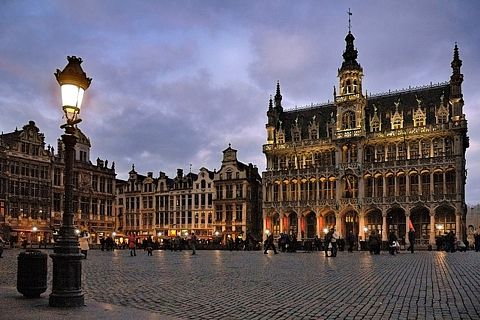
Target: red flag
pixel 410 224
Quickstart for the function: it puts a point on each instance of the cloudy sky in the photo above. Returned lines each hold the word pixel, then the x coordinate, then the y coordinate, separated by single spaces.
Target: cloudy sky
pixel 175 81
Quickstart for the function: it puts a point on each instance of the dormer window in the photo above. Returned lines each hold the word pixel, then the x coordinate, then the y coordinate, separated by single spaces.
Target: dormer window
pixel 280 137
pixel 419 118
pixel 375 126
pixel 296 135
pixel 442 115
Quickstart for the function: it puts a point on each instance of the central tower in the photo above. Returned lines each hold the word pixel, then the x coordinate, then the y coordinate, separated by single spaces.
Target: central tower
pixel 350 102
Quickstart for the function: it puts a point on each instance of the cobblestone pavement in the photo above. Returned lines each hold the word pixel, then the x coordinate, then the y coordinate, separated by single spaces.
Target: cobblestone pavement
pixel 251 285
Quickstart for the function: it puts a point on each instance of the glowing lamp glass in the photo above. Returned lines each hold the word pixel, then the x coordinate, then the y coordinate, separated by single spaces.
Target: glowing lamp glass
pixel 72 97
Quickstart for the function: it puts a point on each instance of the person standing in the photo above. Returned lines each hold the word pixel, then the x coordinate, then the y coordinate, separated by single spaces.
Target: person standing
pixel 331 242
pixel 84 247
pixel 392 242
pixel 270 244
pixel 132 244
pixel 350 241
pixel 193 242
pixel 411 239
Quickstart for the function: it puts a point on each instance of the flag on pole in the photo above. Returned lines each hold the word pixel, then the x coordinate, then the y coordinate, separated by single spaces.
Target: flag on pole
pixel 410 224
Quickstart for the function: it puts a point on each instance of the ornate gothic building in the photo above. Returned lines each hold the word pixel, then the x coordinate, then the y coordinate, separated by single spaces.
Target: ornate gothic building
pixel 368 162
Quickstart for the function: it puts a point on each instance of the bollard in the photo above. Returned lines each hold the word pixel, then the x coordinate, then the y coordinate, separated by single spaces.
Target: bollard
pixel 32 273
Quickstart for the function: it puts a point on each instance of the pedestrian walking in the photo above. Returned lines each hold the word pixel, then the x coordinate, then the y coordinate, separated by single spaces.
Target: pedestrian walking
pixel 477 240
pixel 270 244
pixel 150 246
pixel 131 244
pixel 83 241
pixel 350 241
pixel 193 242
pixel 411 239
pixel 1 246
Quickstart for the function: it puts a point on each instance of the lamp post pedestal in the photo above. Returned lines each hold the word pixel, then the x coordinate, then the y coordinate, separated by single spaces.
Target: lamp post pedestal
pixel 66 257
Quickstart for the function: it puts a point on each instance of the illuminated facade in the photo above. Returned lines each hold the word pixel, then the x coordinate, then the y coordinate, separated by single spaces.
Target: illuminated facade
pixel 31 188
pixel 368 162
pixel 25 185
pixel 238 198
pixel 211 204
pixel 94 191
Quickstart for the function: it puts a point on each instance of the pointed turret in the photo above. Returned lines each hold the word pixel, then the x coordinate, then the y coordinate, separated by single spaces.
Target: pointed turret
pixel 278 98
pixel 456 79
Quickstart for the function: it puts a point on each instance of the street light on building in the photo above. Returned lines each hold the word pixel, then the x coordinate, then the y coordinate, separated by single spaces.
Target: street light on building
pixel 66 257
pixel 34 234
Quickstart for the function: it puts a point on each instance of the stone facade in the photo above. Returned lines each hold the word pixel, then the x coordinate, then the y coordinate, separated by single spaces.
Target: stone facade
pixel 368 162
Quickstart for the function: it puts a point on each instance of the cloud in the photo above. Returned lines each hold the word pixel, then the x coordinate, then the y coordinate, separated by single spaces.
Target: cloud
pixel 175 82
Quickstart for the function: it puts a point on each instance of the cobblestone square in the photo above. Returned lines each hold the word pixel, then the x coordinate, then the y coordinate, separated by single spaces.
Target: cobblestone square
pixel 252 285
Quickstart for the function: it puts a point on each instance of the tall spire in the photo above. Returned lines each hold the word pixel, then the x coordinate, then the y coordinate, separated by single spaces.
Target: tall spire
pixel 270 103
pixel 278 97
pixel 456 62
pixel 456 79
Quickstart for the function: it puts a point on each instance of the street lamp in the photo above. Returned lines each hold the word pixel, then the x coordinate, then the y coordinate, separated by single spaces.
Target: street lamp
pixel 66 256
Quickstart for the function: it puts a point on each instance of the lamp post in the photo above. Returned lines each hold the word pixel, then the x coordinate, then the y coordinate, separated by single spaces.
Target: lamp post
pixel 66 256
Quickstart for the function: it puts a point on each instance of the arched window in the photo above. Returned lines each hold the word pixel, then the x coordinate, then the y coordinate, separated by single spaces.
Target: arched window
pixel 276 224
pixel 425 148
pixel 438 183
pixel 437 147
pixel 348 120
pixel 450 181
pixel 330 220
pixel 448 146
pixel 425 183
pixel 349 86
pixel 414 184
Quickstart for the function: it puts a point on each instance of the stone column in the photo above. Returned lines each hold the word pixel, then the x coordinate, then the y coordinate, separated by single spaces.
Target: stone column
pixel 384 227
pixel 264 225
pixel 361 225
pixel 458 225
pixel 432 228
pixel 281 215
pixel 407 229
pixel 339 224
pixel 299 227
pixel 319 225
